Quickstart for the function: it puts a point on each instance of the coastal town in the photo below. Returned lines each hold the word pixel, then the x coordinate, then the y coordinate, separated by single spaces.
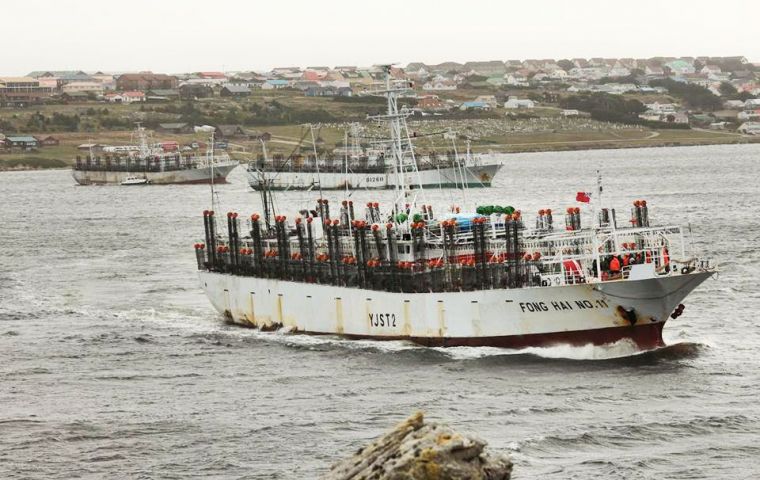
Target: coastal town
pixel 46 117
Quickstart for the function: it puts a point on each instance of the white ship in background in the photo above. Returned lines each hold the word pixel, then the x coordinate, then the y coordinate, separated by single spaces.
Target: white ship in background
pixel 443 277
pixel 152 163
pixel 356 167
pixel 365 173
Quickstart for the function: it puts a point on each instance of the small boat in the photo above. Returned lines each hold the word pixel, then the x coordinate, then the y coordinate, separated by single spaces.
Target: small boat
pixel 135 181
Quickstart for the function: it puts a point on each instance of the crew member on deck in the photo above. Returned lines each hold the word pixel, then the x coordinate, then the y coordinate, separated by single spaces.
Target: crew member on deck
pixel 665 260
pixel 614 266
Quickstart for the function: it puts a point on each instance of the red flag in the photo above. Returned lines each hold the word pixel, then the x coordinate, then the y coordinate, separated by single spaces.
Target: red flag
pixel 584 197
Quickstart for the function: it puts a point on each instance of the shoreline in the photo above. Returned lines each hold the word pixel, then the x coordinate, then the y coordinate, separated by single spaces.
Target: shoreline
pixel 538 147
pixel 623 144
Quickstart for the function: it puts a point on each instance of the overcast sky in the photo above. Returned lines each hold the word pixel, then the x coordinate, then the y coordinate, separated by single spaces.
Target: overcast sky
pixel 175 36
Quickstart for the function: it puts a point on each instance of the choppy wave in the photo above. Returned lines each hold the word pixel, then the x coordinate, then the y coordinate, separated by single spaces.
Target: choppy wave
pixel 622 348
pixel 619 350
pixel 113 363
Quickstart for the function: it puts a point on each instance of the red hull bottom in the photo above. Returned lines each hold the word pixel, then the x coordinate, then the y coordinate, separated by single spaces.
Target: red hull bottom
pixel 196 182
pixel 204 181
pixel 646 337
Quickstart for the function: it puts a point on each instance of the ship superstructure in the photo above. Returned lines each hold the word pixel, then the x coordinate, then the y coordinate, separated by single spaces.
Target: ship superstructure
pixel 448 277
pixel 153 163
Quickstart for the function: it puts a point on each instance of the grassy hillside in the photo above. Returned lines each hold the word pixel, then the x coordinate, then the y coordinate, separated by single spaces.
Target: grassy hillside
pixel 284 113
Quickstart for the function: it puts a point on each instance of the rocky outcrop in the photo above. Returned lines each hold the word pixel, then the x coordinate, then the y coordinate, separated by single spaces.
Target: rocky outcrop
pixel 420 451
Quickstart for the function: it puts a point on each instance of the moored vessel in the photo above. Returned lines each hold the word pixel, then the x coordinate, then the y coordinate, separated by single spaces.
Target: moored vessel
pixel 360 171
pixel 365 162
pixel 153 163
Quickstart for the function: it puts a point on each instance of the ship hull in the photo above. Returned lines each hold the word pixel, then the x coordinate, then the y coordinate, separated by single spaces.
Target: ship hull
pixel 172 177
pixel 475 176
pixel 512 318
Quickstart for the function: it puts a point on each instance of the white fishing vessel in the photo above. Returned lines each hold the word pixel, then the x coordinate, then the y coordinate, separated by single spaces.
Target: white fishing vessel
pixel 359 168
pixel 439 277
pixel 472 174
pixel 154 163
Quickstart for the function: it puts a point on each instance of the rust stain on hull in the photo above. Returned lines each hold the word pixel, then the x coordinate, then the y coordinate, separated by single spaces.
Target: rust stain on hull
pixel 406 328
pixel 339 316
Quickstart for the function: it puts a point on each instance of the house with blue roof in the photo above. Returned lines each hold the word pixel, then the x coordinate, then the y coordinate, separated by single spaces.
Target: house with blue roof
pixel 275 84
pixel 475 106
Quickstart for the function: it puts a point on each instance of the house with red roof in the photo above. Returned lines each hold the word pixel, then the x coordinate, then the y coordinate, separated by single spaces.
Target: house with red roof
pixel 214 75
pixel 209 79
pixel 313 75
pixel 431 102
pixel 132 96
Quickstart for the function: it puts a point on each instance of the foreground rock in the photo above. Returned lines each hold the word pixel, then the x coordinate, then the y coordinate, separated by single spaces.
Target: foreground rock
pixel 415 450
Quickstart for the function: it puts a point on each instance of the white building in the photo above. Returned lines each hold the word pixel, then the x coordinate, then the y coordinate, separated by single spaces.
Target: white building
pixel 516 103
pixel 749 128
pixel 733 104
pixel 488 99
pixel 619 71
pixel 107 80
pixel 73 87
pixel 657 107
pixel 516 79
pixel 748 115
pixel 124 97
pixel 558 74
pixel 588 73
pixel 708 69
pixel 439 85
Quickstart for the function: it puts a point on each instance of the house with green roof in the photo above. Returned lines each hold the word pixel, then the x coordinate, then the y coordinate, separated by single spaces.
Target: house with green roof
pixel 22 142
pixel 680 67
pixel 497 80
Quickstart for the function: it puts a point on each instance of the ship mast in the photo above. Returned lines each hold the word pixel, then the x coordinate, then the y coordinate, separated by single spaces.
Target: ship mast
pixel 458 167
pixel 345 159
pixel 596 208
pixel 142 137
pixel 316 159
pixel 400 143
pixel 266 194
pixel 211 164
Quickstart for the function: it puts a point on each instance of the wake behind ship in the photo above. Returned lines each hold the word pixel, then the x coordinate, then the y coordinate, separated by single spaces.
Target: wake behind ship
pixel 448 276
pixel 152 163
